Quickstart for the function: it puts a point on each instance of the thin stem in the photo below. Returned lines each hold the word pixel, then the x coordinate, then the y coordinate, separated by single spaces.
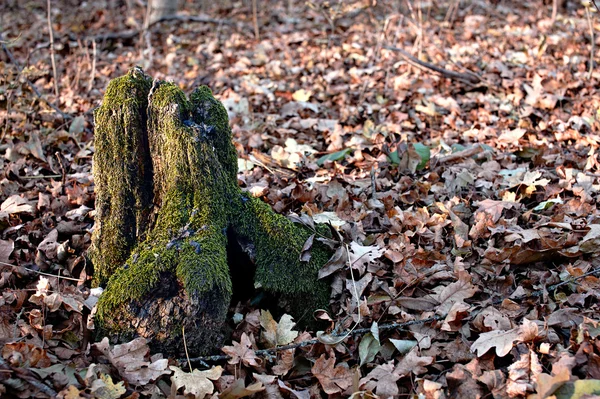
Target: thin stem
pixel 589 18
pixel 52 57
pixel 42 273
pixel 255 19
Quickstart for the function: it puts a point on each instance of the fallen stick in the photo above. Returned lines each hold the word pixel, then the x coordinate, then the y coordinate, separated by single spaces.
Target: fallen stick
pixel 469 152
pixel 470 78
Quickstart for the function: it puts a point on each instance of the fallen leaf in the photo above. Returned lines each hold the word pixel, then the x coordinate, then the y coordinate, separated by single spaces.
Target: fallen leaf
pixel 381 380
pixel 453 293
pixel 332 379
pixel 241 352
pixel 301 95
pixel 522 374
pixel 239 389
pixel 300 394
pixel 361 256
pixel 368 348
pixel 197 383
pixel 413 363
pixel 403 345
pixel 6 249
pixel 16 204
pixel 130 360
pixel 104 388
pixel 274 333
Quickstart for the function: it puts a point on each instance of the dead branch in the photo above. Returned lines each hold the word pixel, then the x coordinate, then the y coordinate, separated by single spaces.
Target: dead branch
pixel 457 156
pixel 52 51
pixel 469 78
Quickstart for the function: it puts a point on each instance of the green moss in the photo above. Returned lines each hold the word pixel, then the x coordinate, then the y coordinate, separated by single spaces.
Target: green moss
pixel 278 244
pixel 209 113
pixel 182 257
pixel 123 208
pixel 187 238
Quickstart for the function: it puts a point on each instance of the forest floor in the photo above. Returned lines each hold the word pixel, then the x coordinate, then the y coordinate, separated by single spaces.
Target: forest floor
pixel 468 202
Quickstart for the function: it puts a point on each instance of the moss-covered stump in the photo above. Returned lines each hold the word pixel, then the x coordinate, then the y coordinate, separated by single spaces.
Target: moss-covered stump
pixel 172 223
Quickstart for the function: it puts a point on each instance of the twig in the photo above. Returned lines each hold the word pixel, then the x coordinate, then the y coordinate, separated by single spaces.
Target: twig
pixel 187 355
pixel 470 78
pixel 93 75
pixel 42 273
pixel 52 53
pixel 35 90
pixel 469 152
pixel 589 19
pixel 8 110
pixel 272 351
pixel 255 20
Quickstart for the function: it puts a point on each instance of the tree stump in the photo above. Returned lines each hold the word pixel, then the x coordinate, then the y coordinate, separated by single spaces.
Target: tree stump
pixel 172 223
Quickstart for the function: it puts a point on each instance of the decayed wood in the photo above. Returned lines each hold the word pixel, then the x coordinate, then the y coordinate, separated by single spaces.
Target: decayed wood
pixel 177 239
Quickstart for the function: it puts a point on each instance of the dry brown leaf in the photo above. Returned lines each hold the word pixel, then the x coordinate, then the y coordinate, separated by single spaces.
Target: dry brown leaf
pixel 522 374
pixel 130 359
pixel 6 249
pixel 453 293
pixel 547 384
pixel 197 383
pixel 501 340
pixel 239 389
pixel 274 333
pixel 22 354
pixel 333 379
pixel 242 352
pixel 16 204
pixel 381 380
pixel 105 388
pixel 413 363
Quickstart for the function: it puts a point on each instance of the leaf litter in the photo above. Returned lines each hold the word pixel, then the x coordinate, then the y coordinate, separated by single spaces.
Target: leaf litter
pixel 468 212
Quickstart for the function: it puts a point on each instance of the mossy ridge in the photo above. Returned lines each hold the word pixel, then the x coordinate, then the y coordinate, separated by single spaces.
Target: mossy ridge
pixel 211 115
pixel 124 189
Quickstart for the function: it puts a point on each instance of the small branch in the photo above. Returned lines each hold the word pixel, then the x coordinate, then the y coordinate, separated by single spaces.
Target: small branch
pixel 52 52
pixel 93 74
pixel 469 152
pixel 589 19
pixel 272 351
pixel 42 273
pixel 255 20
pixel 470 78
